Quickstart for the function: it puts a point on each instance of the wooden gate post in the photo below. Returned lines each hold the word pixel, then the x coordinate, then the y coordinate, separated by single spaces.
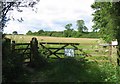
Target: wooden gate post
pixel 13 46
pixel 110 52
pixel 34 49
pixel 7 43
pixel 6 47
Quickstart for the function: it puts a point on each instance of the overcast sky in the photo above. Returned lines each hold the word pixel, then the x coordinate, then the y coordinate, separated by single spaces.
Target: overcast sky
pixel 52 15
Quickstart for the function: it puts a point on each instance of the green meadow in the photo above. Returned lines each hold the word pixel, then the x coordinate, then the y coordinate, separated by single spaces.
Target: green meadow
pixel 95 68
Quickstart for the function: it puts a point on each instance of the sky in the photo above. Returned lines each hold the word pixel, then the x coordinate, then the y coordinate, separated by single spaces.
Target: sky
pixel 51 15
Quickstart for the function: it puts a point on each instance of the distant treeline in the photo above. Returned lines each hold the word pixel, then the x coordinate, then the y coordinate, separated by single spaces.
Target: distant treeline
pixel 65 33
pixel 81 32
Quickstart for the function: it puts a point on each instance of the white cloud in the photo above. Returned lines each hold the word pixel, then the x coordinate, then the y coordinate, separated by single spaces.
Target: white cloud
pixel 64 9
pixel 51 11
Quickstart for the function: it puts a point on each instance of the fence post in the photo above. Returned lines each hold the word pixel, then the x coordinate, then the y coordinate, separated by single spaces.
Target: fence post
pixel 6 47
pixel 13 46
pixel 34 49
pixel 8 42
pixel 110 52
pixel 30 51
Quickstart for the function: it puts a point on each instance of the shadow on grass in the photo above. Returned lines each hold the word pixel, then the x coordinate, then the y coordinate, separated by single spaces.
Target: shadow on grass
pixel 71 70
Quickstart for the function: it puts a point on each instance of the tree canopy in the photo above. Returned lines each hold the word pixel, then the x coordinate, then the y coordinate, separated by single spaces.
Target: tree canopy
pixel 103 19
pixel 9 5
pixel 107 20
pixel 68 31
pixel 81 26
pixel 15 32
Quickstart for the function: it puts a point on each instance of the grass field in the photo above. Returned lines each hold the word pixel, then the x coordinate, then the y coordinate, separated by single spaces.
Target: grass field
pixel 27 38
pixel 88 45
pixel 96 68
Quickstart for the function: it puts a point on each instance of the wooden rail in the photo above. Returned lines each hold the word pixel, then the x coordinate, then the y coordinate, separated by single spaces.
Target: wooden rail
pixel 59 43
pixel 17 44
pixel 31 48
pixel 55 51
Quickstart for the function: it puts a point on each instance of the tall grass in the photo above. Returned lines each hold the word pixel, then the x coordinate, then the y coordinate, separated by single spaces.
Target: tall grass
pixel 76 70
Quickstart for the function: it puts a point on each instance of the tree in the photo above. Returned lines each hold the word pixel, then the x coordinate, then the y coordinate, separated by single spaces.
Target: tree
pixel 15 32
pixel 68 31
pixel 40 31
pixel 107 21
pixel 116 24
pixel 29 32
pixel 9 5
pixel 85 29
pixel 102 22
pixel 68 26
pixel 81 26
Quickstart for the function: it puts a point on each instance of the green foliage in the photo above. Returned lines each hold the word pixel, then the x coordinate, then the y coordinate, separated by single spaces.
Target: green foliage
pixel 68 32
pixel 15 32
pixel 106 25
pixel 29 32
pixel 90 35
pixel 81 26
pixel 107 21
pixel 57 34
pixel 78 34
pixel 68 26
pixel 41 31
